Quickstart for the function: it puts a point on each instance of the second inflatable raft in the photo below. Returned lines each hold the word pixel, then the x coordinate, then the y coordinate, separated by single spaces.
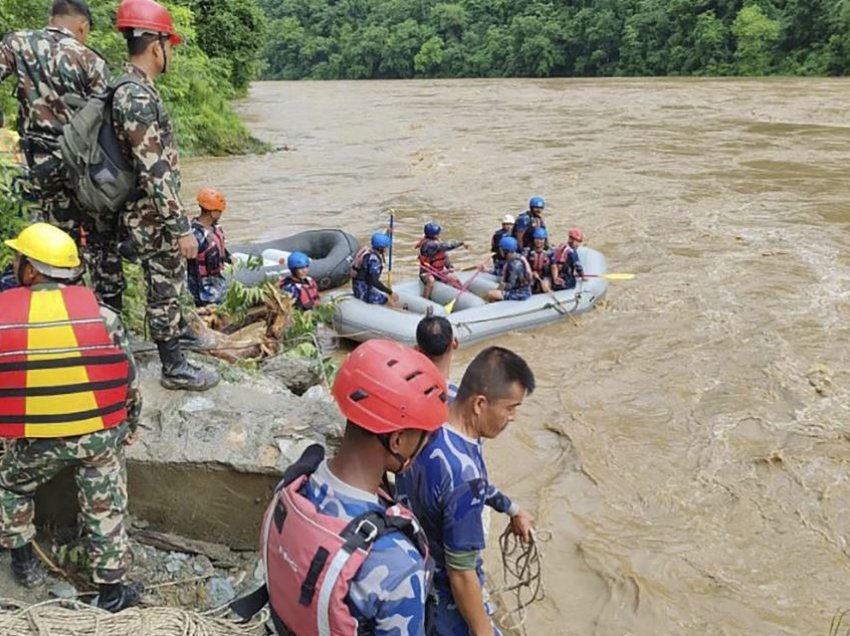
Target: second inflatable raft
pixel 473 318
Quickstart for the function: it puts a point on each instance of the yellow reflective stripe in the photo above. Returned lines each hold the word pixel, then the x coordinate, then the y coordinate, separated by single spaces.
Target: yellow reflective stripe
pixel 46 307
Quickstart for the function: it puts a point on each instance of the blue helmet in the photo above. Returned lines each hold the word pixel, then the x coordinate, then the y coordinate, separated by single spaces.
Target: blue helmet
pixel 297 260
pixel 540 233
pixel 381 241
pixel 432 229
pixel 536 202
pixel 508 244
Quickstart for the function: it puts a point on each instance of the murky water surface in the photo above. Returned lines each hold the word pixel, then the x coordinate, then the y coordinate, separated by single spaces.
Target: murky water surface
pixel 688 445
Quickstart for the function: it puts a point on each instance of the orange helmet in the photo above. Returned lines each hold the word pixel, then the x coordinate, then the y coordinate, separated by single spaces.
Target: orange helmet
pixel 576 234
pixel 211 200
pixel 146 15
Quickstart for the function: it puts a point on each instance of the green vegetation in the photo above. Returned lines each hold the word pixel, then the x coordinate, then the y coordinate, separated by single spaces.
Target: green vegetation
pixel 221 54
pixel 358 39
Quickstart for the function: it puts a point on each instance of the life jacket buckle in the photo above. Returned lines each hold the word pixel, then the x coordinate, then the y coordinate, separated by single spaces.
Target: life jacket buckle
pixel 370 533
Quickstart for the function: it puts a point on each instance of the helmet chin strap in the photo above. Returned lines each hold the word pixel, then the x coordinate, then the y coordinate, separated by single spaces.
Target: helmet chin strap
pixel 164 55
pixel 401 459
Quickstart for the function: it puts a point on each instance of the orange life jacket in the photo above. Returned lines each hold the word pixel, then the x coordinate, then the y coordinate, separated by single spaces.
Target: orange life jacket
pixel 61 374
pixel 438 261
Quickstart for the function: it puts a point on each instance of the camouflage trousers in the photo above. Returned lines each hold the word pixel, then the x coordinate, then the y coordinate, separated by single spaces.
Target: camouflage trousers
pixel 99 249
pixel 164 270
pixel 101 475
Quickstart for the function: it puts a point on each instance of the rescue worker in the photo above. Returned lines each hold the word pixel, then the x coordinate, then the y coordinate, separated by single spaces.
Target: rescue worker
pixel 205 273
pixel 330 521
pixel 70 397
pixel 566 266
pixel 366 272
pixel 435 339
pixel 447 487
pixel 516 276
pixel 434 258
pixel 55 71
pixel 528 221
pixel 540 259
pixel 507 229
pixel 156 220
pixel 302 288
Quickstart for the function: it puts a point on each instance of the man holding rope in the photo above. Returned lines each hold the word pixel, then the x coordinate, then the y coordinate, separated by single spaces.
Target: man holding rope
pixel 447 488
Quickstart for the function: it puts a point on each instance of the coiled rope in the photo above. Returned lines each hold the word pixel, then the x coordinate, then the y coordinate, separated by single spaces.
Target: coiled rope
pixel 62 617
pixel 522 565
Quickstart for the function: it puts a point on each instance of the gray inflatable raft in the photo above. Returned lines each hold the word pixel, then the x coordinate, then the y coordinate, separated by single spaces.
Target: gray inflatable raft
pixel 331 253
pixel 473 318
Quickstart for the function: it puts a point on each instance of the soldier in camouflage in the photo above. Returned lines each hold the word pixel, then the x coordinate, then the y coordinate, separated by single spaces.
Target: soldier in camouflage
pixel 55 73
pixel 156 220
pixel 97 457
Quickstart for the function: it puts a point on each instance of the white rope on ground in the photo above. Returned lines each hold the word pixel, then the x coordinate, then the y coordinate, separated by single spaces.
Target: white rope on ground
pixel 62 617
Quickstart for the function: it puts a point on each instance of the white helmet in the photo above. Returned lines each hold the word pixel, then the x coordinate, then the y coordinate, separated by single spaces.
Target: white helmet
pixel 508 218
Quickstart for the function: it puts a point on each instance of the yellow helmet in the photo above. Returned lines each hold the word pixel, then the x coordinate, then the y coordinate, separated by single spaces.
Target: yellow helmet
pixel 48 246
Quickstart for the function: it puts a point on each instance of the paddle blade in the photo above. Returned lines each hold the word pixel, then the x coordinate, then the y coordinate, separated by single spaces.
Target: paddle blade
pixel 450 305
pixel 618 276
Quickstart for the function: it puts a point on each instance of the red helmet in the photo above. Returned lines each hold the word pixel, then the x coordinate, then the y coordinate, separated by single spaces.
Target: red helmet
pixel 384 387
pixel 576 234
pixel 146 15
pixel 212 200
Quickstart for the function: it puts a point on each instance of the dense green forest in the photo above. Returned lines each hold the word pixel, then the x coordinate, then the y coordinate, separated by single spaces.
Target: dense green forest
pixel 221 55
pixel 327 39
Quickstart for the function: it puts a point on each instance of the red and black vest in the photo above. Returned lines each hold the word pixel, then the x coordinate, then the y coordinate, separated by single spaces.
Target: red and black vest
pixel 539 261
pixel 61 375
pixel 308 292
pixel 438 260
pixel 214 247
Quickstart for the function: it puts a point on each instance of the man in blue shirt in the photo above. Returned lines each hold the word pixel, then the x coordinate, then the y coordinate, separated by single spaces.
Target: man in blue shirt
pixel 393 399
pixel 366 272
pixel 435 338
pixel 529 221
pixel 447 488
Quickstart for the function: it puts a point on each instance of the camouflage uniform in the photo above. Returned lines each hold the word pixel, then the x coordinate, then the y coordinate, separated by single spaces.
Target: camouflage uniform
pixel 100 473
pixel 54 69
pixel 155 220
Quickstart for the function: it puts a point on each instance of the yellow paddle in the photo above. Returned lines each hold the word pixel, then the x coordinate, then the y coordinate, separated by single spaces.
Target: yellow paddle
pixel 612 276
pixel 451 304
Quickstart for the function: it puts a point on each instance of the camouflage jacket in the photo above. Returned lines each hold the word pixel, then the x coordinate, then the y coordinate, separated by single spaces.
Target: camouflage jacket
pixel 50 64
pixel 145 129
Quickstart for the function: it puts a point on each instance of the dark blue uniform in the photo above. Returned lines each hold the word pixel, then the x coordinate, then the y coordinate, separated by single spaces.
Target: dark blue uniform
pixel 366 282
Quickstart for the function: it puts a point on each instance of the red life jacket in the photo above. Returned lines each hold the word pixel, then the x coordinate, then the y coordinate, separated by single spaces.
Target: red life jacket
pixel 528 277
pixel 438 261
pixel 561 253
pixel 61 374
pixel 310 558
pixel 540 261
pixel 214 241
pixel 308 292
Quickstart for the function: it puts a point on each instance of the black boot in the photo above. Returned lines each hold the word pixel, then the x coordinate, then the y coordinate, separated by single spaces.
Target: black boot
pixel 178 373
pixel 115 303
pixel 27 567
pixel 114 597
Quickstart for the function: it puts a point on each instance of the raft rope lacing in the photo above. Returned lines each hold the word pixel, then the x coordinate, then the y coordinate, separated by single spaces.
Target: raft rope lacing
pixel 522 565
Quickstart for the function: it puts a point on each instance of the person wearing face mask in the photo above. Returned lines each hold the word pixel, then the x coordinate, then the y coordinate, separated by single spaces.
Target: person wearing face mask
pixel 155 218
pixel 341 557
pixel 447 487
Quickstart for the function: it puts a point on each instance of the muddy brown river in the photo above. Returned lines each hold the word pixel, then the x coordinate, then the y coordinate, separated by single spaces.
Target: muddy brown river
pixel 688 445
